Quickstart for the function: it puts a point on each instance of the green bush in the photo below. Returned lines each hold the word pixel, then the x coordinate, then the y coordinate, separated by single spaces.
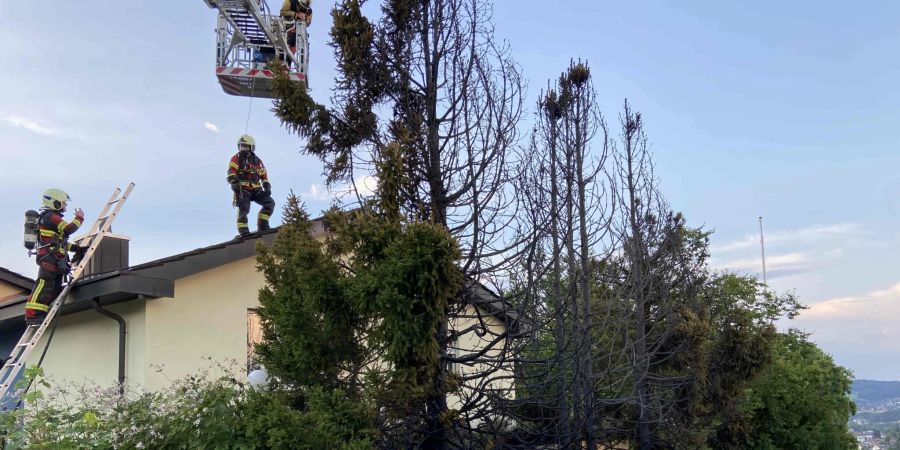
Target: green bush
pixel 195 412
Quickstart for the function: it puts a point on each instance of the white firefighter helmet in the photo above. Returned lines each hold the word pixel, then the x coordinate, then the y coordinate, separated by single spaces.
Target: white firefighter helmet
pixel 55 199
pixel 247 140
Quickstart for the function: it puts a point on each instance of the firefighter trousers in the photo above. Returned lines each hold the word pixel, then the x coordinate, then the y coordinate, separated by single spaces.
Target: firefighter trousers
pixel 51 270
pixel 259 197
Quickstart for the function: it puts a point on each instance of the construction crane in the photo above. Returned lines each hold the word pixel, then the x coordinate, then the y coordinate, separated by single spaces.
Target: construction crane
pixel 248 36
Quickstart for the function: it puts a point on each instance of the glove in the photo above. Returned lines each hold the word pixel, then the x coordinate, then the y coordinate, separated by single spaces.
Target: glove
pixel 79 214
pixel 62 266
pixel 79 253
pixel 267 188
pixel 236 187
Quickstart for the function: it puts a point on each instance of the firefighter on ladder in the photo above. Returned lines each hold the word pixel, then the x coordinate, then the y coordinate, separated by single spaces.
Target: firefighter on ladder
pixel 52 254
pixel 250 183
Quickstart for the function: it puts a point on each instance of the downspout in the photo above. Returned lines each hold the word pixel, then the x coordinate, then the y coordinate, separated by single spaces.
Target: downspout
pixel 121 321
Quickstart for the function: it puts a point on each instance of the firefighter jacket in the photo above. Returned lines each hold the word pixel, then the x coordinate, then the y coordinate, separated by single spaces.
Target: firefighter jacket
pixel 248 170
pixel 54 233
pixel 290 9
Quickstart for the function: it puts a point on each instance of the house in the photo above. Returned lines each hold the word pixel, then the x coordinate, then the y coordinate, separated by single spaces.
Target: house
pixel 13 284
pixel 14 290
pixel 148 324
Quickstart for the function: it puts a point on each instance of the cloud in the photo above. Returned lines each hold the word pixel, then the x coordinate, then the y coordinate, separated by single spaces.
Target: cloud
pixel 871 306
pixel 853 326
pixel 30 125
pixel 211 127
pixel 790 259
pixel 806 235
pixel 81 134
pixel 365 186
pixel 861 331
pixel 317 193
pixel 776 265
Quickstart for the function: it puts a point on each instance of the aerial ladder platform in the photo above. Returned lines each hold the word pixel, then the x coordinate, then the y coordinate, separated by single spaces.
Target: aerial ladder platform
pixel 248 36
pixel 33 333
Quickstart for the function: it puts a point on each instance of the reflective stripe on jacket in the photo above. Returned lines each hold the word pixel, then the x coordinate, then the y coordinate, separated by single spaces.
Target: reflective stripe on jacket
pixel 54 233
pixel 248 170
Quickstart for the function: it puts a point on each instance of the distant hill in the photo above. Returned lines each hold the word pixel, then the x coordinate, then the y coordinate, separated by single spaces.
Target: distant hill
pixel 871 391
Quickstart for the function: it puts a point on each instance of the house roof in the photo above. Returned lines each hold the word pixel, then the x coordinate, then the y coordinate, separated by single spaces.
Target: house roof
pixel 156 279
pixel 483 297
pixel 16 279
pixel 202 259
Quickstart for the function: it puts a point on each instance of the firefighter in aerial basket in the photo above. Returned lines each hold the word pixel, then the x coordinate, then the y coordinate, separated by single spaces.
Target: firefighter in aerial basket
pixel 293 12
pixel 297 10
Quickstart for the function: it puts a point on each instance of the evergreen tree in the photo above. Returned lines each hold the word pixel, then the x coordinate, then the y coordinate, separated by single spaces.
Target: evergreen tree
pixel 353 315
pixel 427 84
pixel 309 321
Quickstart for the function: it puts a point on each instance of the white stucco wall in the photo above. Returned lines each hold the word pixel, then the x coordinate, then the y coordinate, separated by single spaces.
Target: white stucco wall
pixel 168 338
pixel 85 347
pixel 487 329
pixel 207 319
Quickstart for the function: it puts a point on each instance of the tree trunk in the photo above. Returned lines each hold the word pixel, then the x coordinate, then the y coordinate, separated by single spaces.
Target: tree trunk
pixel 639 293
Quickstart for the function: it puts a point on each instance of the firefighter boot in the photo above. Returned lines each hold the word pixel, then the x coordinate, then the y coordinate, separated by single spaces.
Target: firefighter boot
pixel 242 227
pixel 36 320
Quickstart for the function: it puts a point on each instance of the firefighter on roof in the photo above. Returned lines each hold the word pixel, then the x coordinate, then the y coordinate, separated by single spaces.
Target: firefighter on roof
pixel 52 253
pixel 250 183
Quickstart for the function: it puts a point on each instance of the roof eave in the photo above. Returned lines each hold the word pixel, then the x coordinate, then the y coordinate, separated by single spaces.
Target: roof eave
pixel 116 288
pixel 16 279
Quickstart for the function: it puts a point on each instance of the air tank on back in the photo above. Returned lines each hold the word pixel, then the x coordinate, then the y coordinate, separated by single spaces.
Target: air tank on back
pixel 31 229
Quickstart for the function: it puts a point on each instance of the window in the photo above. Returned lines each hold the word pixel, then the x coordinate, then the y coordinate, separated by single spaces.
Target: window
pixel 254 336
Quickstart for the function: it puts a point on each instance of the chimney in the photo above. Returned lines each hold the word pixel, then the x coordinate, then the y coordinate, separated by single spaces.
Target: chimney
pixel 112 255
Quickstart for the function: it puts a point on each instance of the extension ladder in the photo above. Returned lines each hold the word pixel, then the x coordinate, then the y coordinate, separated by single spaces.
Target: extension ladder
pixel 33 333
pixel 250 21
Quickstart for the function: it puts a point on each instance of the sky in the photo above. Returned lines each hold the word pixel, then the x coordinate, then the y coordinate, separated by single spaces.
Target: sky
pixel 785 110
